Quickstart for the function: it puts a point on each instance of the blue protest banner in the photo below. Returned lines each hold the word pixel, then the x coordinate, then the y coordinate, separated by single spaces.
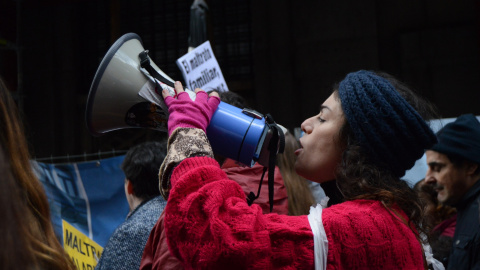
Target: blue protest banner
pixel 88 195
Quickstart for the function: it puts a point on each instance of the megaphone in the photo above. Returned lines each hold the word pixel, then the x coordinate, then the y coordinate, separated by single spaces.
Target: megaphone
pixel 114 102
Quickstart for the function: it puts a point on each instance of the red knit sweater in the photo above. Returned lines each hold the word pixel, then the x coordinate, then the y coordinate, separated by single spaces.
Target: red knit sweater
pixel 156 254
pixel 210 226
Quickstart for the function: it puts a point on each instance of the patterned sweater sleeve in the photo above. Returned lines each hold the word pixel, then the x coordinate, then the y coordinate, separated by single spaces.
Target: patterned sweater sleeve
pixel 209 224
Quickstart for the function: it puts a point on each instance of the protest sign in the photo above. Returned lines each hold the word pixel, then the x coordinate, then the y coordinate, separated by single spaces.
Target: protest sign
pixel 200 69
pixel 84 252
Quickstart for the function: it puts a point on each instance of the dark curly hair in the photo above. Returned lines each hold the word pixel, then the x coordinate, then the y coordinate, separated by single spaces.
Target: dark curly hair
pixel 360 178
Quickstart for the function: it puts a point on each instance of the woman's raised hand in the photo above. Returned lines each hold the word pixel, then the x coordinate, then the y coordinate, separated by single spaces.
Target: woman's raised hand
pixel 188 113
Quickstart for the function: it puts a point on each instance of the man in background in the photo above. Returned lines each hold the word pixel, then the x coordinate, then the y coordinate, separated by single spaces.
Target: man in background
pixel 454 172
pixel 125 247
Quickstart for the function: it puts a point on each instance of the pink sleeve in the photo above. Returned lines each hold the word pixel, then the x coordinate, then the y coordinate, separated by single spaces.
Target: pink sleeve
pixel 209 224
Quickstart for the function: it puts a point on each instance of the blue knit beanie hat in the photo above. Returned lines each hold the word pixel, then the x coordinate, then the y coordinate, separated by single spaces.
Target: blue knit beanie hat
pixel 385 125
pixel 460 138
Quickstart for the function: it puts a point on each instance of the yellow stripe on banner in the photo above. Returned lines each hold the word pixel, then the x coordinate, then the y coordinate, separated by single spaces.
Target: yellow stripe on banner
pixel 84 252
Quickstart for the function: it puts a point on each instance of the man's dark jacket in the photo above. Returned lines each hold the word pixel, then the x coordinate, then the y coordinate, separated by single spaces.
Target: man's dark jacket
pixel 465 252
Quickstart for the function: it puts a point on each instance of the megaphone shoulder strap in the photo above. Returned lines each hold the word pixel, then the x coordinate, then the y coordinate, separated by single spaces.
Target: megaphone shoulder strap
pixel 276 145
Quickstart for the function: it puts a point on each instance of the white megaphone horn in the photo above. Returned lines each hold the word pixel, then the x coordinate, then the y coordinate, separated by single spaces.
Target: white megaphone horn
pixel 115 102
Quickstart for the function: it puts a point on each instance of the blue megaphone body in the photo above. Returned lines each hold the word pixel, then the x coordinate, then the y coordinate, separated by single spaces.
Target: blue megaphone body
pixel 237 134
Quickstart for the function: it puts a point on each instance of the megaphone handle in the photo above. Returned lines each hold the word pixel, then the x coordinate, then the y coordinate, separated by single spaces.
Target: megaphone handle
pixel 145 63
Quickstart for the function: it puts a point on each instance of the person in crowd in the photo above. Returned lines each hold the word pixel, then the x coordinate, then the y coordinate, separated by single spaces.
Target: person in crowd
pixel 440 219
pixel 157 256
pixel 300 196
pixel 27 231
pixel 125 246
pixel 366 134
pixel 454 172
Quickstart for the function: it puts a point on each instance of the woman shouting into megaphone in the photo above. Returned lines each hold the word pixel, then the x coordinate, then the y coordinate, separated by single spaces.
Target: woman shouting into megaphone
pixel 366 134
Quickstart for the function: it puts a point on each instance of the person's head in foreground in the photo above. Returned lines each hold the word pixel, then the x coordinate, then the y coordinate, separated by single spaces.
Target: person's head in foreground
pixel 29 238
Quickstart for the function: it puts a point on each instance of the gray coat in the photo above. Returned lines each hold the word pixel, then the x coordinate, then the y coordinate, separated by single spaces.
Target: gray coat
pixel 125 247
